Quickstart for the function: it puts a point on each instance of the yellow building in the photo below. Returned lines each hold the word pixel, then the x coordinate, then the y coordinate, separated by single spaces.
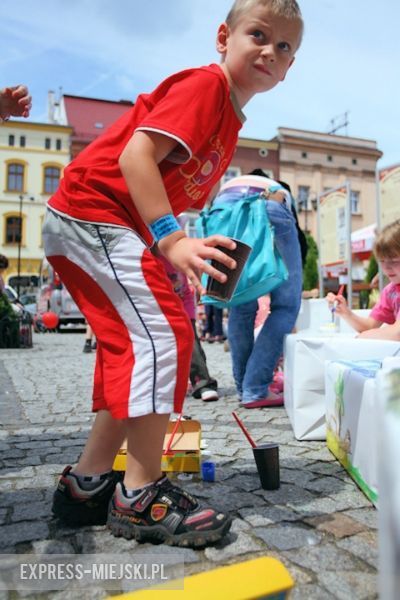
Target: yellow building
pixel 312 162
pixel 32 159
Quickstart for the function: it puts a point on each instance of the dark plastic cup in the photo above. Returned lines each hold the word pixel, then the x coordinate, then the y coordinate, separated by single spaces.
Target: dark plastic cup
pixel 208 471
pixel 225 291
pixel 267 461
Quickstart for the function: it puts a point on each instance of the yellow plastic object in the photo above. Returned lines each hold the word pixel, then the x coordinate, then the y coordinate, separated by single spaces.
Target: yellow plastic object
pixel 261 578
pixel 184 454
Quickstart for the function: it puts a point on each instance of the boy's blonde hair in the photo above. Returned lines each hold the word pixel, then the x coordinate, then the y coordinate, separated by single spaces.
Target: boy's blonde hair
pixel 282 8
pixel 387 243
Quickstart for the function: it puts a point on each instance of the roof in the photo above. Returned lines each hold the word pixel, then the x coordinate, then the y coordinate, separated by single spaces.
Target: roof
pixel 89 117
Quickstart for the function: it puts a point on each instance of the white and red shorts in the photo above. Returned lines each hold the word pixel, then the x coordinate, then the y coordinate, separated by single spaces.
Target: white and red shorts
pixel 144 336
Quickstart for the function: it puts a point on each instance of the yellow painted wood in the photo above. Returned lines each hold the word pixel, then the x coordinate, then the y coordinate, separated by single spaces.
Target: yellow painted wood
pixel 263 578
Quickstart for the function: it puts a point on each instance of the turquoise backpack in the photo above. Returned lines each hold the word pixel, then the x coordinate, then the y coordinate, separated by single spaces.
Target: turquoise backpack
pixel 246 219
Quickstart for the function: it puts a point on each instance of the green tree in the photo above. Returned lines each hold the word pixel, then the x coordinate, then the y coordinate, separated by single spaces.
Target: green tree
pixel 310 270
pixel 372 270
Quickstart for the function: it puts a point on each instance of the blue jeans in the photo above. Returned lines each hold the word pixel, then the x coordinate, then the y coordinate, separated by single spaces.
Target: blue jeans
pixel 254 361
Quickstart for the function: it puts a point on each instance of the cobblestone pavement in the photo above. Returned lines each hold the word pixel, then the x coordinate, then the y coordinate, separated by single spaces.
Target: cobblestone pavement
pixel 318 523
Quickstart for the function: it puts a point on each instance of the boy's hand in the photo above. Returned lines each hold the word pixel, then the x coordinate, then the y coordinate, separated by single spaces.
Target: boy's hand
pixel 338 303
pixel 189 255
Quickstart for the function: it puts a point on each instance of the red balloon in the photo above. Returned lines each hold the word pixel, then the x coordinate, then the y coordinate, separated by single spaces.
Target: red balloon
pixel 50 320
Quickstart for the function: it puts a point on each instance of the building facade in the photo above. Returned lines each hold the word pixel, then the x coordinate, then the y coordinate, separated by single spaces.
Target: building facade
pixel 313 162
pixel 32 159
pixel 33 156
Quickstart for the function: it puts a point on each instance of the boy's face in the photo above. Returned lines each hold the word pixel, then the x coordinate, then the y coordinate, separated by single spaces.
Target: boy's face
pixel 391 268
pixel 258 51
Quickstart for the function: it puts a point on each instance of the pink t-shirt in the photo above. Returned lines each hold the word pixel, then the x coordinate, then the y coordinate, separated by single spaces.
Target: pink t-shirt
pixel 181 287
pixel 387 309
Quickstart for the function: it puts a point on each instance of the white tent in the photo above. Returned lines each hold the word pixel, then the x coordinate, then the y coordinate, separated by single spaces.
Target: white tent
pixel 362 240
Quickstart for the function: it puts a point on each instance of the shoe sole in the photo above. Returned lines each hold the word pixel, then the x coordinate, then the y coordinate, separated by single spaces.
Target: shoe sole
pixel 121 526
pixel 263 403
pixel 67 514
pixel 209 396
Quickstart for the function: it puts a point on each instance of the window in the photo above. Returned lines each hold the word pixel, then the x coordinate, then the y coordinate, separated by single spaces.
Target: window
pixel 329 158
pixel 11 140
pixel 304 155
pixel 22 141
pixel 47 143
pixel 353 161
pixel 13 230
pixel 303 194
pixel 355 202
pixel 58 144
pixel 15 177
pixel 230 173
pixel 51 179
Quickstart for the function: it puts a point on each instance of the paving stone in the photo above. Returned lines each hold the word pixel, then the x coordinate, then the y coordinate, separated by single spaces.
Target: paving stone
pixel 365 546
pixel 261 516
pixel 324 557
pixel 338 524
pixel 318 506
pixel 311 592
pixel 30 512
pixel 327 485
pixel 241 545
pixel 22 532
pixel 354 585
pixel 287 494
pixel 366 516
pixel 52 547
pixel 284 537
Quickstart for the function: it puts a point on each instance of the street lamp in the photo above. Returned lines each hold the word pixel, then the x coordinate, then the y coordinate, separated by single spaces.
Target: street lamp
pixel 21 200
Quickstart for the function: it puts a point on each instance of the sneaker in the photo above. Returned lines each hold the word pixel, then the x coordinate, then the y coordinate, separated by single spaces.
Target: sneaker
pixel 165 513
pixel 87 346
pixel 272 400
pixel 75 506
pixel 94 345
pixel 208 395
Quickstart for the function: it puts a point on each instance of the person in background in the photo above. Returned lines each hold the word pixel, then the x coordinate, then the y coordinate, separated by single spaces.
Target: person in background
pixel 254 361
pixel 90 343
pixel 387 309
pixel 203 385
pixel 213 330
pixel 14 102
pixel 3 267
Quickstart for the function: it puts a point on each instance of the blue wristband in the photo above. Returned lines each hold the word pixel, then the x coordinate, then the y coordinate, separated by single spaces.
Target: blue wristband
pixel 164 226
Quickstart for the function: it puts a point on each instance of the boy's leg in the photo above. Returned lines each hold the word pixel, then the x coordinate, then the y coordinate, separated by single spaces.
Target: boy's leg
pixel 143 461
pixel 103 443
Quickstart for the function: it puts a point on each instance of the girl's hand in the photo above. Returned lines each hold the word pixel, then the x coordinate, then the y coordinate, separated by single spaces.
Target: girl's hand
pixel 190 255
pixel 338 303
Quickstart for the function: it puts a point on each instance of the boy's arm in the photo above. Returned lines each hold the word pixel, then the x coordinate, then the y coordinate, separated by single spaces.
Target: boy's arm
pixel 139 165
pixel 358 323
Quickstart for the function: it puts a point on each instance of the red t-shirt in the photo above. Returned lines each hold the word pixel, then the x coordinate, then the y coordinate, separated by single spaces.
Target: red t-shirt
pixel 194 107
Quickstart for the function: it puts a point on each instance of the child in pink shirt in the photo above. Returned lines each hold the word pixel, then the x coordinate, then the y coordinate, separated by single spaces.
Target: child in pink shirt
pixel 387 309
pixel 203 386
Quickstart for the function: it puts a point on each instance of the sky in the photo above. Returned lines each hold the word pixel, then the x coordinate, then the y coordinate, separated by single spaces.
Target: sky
pixel 115 49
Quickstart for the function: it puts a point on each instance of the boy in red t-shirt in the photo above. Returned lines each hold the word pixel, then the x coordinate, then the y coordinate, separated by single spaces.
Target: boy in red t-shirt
pixel 117 198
